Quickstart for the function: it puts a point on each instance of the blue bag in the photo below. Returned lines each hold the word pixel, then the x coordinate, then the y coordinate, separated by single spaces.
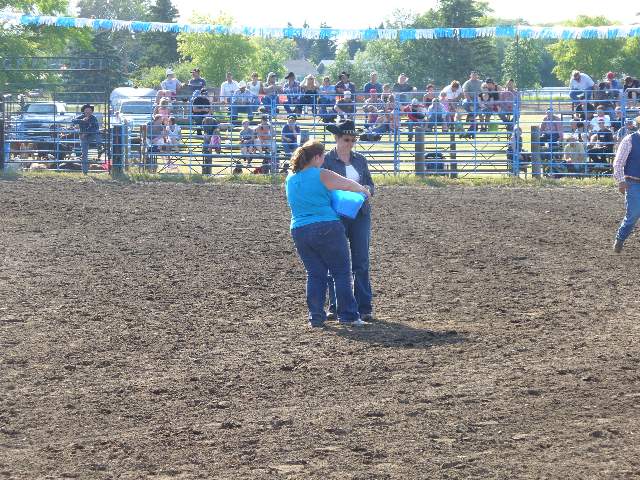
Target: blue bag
pixel 347 204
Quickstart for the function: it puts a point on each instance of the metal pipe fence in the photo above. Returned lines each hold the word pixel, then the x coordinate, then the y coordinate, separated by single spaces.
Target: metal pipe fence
pixel 552 133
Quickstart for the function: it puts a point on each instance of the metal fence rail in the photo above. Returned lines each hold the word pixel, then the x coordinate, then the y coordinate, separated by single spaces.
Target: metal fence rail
pixel 556 134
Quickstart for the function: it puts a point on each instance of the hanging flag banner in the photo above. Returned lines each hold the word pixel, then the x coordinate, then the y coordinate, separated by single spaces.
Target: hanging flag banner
pixel 8 20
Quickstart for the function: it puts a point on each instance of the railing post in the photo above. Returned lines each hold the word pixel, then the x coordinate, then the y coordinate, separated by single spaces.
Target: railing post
pixel 3 158
pixel 418 133
pixel 536 169
pixel 453 164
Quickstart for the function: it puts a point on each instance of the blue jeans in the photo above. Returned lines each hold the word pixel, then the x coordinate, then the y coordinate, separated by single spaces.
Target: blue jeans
pixel 293 100
pixel 86 139
pixel 359 235
pixel 577 95
pixel 248 109
pixel 632 204
pixel 323 249
pixel 271 104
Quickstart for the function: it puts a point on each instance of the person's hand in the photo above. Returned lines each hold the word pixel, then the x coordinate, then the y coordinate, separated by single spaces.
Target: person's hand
pixel 366 190
pixel 622 187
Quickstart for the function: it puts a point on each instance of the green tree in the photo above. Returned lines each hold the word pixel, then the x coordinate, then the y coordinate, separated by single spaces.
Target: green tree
pixel 594 57
pixel 25 41
pixel 628 59
pixel 269 55
pixel 159 48
pixel 522 60
pixel 217 54
pixel 321 49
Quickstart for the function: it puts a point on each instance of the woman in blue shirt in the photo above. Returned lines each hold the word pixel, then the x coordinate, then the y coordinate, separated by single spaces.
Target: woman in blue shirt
pixel 318 233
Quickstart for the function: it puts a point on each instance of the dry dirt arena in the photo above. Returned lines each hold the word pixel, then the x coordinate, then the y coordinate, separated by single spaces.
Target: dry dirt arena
pixel 158 331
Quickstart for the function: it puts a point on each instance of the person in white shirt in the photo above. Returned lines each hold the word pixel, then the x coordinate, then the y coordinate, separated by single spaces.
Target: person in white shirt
pixel 581 86
pixel 171 84
pixel 228 88
pixel 255 85
pixel 600 115
pixel 454 93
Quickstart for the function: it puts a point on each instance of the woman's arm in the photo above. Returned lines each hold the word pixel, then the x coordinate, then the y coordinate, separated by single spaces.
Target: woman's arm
pixel 333 181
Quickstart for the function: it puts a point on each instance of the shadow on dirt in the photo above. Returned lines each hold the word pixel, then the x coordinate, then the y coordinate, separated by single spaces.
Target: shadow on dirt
pixel 396 335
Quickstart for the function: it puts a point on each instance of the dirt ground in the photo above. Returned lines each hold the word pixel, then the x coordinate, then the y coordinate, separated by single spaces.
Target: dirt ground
pixel 158 331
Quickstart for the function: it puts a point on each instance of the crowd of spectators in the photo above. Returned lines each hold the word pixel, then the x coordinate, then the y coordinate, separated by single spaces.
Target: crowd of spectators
pixel 474 106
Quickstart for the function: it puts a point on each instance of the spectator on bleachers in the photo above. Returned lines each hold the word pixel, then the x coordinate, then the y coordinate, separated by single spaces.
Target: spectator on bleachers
pixel 247 142
pixel 290 134
pixel 402 88
pixel 629 126
pixel 416 113
pixel 310 90
pixel 344 84
pixel 271 92
pixel 227 89
pixel 581 86
pixel 265 137
pixel 429 94
pixel 600 117
pixel 614 83
pixel 291 88
pixel 372 84
pixel 327 100
pixel 196 81
pixel 601 145
pixel 631 83
pixel 174 133
pixel 579 130
pixel 200 108
pixel 255 85
pixel 157 133
pixel 386 92
pixel 171 83
pixel 618 119
pixel 345 106
pixel 163 109
pixel 508 96
pixel 242 101
pixel 574 154
pixel 551 132
pixel 438 113
pixel 372 105
pixel 486 105
pixel 471 89
pixel 453 93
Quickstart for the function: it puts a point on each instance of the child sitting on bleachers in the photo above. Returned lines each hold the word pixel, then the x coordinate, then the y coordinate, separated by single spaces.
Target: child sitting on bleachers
pixel 247 140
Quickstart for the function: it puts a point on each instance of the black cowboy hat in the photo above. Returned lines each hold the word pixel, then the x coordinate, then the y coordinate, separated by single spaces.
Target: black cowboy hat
pixel 290 75
pixel 343 127
pixel 88 105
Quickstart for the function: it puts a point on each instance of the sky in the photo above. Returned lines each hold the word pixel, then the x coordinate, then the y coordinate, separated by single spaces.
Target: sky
pixel 354 14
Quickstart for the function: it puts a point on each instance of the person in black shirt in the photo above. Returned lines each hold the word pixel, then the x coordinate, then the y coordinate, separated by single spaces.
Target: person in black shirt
pixel 345 84
pixel 402 88
pixel 601 146
pixel 200 107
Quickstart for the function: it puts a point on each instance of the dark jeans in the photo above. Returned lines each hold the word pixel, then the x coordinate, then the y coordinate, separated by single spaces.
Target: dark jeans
pixel 359 234
pixel 323 249
pixel 293 101
pixel 235 109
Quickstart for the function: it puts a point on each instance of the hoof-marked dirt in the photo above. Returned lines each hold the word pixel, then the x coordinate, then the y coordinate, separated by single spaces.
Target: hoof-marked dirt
pixel 158 331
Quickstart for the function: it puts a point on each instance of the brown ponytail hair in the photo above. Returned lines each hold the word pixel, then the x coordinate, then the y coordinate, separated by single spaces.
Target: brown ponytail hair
pixel 305 153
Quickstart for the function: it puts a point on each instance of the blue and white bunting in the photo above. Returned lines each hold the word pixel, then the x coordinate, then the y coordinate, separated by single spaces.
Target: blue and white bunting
pixel 10 20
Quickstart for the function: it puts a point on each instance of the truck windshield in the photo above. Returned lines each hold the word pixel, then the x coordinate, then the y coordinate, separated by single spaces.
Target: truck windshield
pixel 44 108
pixel 136 108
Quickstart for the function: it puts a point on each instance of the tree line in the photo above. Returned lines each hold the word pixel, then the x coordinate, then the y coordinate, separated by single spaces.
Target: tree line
pixel 141 59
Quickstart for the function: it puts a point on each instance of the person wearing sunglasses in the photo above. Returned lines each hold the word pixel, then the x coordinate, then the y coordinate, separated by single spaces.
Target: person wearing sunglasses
pixel 352 165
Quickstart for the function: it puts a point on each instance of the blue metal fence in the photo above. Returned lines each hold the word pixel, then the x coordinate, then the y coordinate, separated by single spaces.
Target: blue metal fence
pixel 552 133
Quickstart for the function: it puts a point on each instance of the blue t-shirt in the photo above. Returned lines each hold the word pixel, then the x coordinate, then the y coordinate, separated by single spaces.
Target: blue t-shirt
pixel 308 198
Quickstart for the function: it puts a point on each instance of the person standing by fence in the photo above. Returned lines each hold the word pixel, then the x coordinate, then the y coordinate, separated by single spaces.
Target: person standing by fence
pixel 89 129
pixel 626 172
pixel 318 234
